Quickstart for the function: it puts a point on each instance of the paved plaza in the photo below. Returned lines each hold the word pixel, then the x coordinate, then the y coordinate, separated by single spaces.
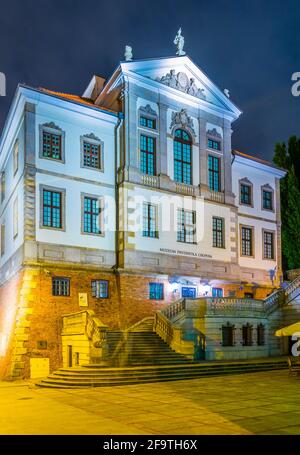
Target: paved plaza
pixel 255 403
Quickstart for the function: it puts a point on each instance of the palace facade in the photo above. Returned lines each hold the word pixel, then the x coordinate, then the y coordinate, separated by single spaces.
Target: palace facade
pixel 124 200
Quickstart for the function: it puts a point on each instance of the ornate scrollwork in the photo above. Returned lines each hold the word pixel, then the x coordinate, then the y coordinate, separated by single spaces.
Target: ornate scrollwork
pixel 213 132
pixel 148 110
pixel 92 136
pixel 181 118
pixel 52 125
pixel 181 82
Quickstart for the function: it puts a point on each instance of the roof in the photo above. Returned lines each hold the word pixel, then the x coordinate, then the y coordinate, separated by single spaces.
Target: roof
pixel 258 160
pixel 76 99
pixel 140 68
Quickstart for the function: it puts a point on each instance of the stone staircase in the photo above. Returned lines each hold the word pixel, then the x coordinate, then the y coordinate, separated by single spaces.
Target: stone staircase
pixel 140 345
pixel 93 376
pixel 140 348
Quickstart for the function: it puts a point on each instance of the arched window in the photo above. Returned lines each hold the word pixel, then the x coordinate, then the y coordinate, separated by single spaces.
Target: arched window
pixel 182 157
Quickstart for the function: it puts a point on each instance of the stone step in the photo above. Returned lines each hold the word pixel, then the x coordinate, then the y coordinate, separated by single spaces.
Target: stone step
pixel 94 369
pixel 129 350
pixel 140 347
pixel 155 376
pixel 149 352
pixel 154 372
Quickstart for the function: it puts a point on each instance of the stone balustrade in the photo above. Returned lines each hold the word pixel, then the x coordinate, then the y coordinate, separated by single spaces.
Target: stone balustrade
pixel 173 335
pixel 233 305
pixel 216 196
pixel 174 309
pixel 150 180
pixel 292 286
pixel 183 188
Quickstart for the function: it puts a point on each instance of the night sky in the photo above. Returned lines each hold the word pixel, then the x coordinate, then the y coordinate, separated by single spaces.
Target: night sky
pixel 250 47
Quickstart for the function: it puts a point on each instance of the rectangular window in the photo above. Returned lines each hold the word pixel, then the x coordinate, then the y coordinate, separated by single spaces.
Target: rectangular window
pixel 228 335
pixel 186 229
pixel 61 286
pixel 147 122
pixel 15 218
pixel 150 221
pixel 246 196
pixel 214 173
pixel 156 291
pixel 16 157
pixel 188 292
pixel 3 186
pixel 218 232
pixel 100 289
pixel 267 200
pixel 260 335
pixel 247 335
pixel 91 215
pixel 211 144
pixel 2 239
pixel 217 292
pixel 247 241
pixel 52 146
pixel 52 209
pixel 268 245
pixel 147 150
pixel 91 155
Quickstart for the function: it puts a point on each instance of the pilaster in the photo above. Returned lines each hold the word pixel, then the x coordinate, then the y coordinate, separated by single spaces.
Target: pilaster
pixel 227 171
pixel 202 152
pixel 163 146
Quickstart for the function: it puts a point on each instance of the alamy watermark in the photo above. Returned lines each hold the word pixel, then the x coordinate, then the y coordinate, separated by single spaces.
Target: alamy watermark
pixel 2 84
pixel 295 89
pixel 296 345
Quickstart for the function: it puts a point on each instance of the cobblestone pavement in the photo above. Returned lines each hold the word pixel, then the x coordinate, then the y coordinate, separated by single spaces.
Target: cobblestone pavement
pixel 256 403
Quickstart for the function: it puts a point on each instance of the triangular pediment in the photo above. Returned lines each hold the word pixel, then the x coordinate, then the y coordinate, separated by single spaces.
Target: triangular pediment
pixel 182 75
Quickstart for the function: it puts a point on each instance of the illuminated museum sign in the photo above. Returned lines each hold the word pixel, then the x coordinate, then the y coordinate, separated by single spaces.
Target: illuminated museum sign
pixel 184 253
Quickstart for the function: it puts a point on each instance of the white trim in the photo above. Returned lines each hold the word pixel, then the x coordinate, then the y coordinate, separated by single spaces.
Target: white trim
pixel 258 165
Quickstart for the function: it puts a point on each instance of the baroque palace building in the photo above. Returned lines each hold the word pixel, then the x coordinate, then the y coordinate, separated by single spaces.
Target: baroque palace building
pixel 124 200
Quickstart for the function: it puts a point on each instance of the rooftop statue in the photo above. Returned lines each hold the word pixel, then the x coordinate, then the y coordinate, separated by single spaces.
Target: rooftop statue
pixel 128 53
pixel 226 91
pixel 179 43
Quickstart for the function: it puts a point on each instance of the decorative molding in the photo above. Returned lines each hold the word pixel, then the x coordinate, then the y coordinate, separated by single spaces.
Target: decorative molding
pixel 52 128
pixel 181 81
pixel 101 203
pixel 92 139
pixel 148 110
pixel 62 191
pixel 246 181
pixel 268 187
pixel 92 136
pixel 213 132
pixel 52 125
pixel 181 118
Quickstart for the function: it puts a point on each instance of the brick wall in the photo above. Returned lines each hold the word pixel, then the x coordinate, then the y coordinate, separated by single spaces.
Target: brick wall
pixel 36 313
pixel 30 312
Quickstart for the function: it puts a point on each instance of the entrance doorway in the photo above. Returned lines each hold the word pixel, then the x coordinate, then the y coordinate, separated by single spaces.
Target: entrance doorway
pixel 70 356
pixel 189 292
